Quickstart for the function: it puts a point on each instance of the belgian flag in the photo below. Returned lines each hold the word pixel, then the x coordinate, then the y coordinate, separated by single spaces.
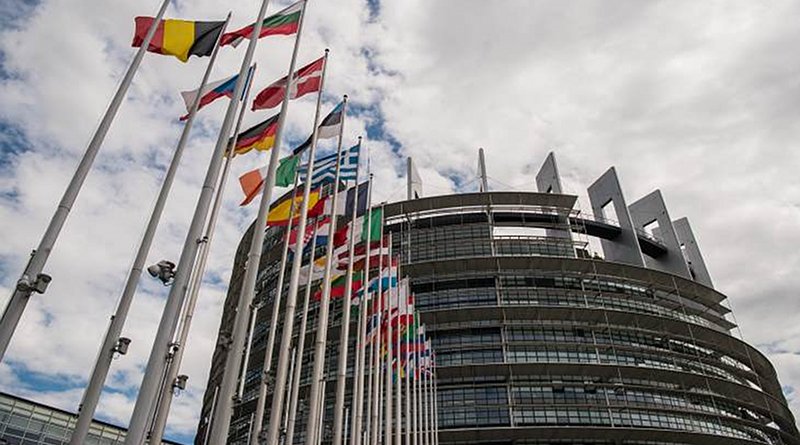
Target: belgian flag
pixel 179 38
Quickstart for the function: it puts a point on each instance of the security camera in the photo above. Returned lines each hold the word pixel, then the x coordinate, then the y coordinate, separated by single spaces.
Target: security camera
pixel 122 345
pixel 163 270
pixel 180 381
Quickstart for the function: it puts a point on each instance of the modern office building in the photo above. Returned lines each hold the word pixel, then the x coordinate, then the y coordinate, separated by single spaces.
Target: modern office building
pixel 540 340
pixel 24 422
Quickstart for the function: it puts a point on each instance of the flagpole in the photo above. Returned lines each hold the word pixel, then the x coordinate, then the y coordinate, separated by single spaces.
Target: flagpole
pixel 389 354
pixel 415 398
pixel 158 354
pixel 111 340
pixel 344 336
pixel 321 340
pixel 354 431
pixel 301 339
pixel 273 326
pixel 376 390
pixel 167 391
pixel 233 358
pixel 409 395
pixel 420 416
pixel 435 400
pixel 291 299
pixel 399 385
pixel 359 414
pixel 32 279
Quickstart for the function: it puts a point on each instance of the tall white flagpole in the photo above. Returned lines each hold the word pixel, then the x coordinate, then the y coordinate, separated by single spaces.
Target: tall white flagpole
pixel 222 418
pixel 158 355
pixel 362 333
pixel 321 339
pixel 111 341
pixel 369 378
pixel 278 393
pixel 415 398
pixel 409 371
pixel 435 400
pixel 376 343
pixel 289 385
pixel 294 394
pixel 339 423
pixel 387 438
pixel 32 279
pixel 355 427
pixel 273 325
pixel 168 388
pixel 399 384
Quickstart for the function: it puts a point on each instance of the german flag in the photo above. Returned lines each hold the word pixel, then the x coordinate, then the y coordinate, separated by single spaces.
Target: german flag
pixel 179 38
pixel 261 137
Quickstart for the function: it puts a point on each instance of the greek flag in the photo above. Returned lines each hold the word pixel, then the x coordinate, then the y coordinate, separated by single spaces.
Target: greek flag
pixel 325 167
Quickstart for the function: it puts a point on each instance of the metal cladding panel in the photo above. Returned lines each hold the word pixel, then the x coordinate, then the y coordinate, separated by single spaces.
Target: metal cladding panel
pixel 624 248
pixel 697 266
pixel 652 208
pixel 548 179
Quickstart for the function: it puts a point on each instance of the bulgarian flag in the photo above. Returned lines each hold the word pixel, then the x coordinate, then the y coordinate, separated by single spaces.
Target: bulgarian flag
pixel 306 80
pixel 179 38
pixel 285 22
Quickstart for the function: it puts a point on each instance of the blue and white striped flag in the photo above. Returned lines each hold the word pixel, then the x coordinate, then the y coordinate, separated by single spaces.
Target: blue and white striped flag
pixel 325 167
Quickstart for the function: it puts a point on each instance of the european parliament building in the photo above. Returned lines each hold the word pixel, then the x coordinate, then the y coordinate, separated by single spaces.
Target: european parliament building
pixel 539 340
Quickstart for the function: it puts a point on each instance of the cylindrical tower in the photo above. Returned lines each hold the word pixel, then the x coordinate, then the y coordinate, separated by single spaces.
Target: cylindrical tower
pixel 539 340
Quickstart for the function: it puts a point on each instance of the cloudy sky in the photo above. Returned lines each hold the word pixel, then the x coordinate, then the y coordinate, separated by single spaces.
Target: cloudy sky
pixel 699 99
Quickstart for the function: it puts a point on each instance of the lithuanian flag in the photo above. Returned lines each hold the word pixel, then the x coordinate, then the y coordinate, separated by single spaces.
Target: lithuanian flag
pixel 179 38
pixel 260 137
pixel 284 22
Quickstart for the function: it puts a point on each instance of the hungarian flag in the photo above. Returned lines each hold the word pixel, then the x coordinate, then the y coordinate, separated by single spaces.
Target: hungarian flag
pixel 179 38
pixel 306 80
pixel 329 128
pixel 284 22
pixel 260 137
pixel 211 92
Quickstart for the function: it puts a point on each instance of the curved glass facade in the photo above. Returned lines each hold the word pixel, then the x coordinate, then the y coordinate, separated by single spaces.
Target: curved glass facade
pixel 539 342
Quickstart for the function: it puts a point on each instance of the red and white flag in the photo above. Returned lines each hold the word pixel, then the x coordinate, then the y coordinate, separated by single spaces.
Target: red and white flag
pixel 307 80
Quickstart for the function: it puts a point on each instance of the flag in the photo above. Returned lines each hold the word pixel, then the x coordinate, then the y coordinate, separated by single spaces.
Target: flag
pixel 211 92
pixel 345 206
pixel 252 182
pixel 358 228
pixel 260 137
pixel 306 80
pixel 329 127
pixel 179 38
pixel 325 167
pixel 284 22
pixel 284 176
pixel 279 212
pixel 339 286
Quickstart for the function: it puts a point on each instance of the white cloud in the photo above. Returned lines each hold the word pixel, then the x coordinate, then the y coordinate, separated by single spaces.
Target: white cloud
pixel 698 100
